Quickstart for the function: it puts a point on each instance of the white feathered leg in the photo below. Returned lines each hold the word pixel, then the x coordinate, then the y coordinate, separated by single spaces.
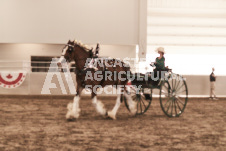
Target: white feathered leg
pixel 112 113
pixel 132 104
pixel 99 106
pixel 73 109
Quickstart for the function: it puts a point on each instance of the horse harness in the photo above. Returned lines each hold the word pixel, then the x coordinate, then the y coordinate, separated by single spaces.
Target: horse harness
pixel 104 69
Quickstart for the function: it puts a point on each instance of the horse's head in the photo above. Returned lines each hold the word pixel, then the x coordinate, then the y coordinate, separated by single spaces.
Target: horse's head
pixel 76 51
pixel 67 52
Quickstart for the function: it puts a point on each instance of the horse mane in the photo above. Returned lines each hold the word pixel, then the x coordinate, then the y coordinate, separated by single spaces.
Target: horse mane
pixel 81 45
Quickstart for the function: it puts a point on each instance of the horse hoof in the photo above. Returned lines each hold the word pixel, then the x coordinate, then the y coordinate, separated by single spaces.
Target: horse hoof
pixel 111 115
pixel 71 115
pixel 71 119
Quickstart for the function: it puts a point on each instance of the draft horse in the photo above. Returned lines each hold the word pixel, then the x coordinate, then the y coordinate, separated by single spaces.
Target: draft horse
pixel 75 51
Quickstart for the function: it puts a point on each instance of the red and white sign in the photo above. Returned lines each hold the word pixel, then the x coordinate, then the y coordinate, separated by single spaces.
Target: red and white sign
pixel 11 79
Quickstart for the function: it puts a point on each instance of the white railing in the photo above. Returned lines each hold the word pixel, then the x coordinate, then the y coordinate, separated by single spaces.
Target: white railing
pixel 198 85
pixel 27 65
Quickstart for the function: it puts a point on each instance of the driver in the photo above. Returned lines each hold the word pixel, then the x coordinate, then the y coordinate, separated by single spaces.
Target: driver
pixel 160 61
pixel 159 65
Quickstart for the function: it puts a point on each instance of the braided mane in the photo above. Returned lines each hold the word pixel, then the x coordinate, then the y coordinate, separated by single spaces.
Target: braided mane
pixel 78 43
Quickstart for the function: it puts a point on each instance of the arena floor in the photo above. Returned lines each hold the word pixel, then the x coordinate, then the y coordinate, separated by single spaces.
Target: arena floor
pixel 39 124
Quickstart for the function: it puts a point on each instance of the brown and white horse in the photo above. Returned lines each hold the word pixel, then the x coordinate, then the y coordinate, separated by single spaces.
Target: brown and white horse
pixel 75 51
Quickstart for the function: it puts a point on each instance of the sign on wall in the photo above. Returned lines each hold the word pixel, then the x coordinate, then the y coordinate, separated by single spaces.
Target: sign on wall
pixel 11 79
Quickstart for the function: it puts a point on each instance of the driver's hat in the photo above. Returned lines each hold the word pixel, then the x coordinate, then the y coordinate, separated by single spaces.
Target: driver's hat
pixel 161 49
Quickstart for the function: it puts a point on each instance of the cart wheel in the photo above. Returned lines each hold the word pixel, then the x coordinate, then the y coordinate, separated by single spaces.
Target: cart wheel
pixel 173 95
pixel 142 97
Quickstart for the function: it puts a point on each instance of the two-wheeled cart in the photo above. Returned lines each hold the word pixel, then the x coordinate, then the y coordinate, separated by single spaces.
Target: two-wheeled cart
pixel 173 93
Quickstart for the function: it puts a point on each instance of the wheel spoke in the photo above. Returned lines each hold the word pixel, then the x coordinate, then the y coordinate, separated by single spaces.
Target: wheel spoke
pixel 164 92
pixel 166 87
pixel 179 100
pixel 172 108
pixel 137 105
pixel 140 106
pixel 180 91
pixel 167 102
pixel 178 105
pixel 175 106
pixel 144 104
pixel 143 98
pixel 172 84
pixel 177 85
pixel 168 107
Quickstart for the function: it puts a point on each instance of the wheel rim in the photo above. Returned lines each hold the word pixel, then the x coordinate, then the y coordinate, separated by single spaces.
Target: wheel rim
pixel 173 96
pixel 142 102
pixel 140 97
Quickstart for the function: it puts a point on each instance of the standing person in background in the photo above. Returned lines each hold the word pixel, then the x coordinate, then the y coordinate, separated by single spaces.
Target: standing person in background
pixel 212 85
